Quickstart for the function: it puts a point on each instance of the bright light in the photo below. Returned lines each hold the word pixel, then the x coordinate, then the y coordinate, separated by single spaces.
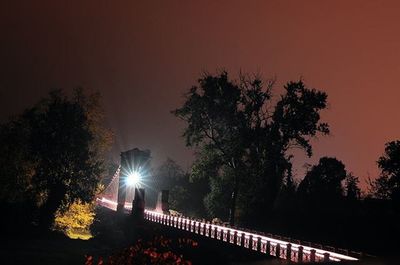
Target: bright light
pixel 133 178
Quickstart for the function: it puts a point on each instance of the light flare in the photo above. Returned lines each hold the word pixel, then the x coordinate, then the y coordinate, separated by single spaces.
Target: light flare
pixel 133 179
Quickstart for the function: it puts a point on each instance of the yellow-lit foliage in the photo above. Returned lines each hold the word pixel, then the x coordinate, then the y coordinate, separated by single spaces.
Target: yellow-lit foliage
pixel 76 221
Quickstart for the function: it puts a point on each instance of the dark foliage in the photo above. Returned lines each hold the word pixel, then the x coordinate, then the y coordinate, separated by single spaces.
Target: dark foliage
pixel 387 185
pixel 322 185
pixel 185 194
pixel 248 134
pixel 54 154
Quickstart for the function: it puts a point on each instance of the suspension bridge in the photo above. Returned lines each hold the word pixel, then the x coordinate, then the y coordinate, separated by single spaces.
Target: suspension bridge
pixel 118 197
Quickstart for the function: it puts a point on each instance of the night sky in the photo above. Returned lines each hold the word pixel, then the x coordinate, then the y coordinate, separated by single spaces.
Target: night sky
pixel 144 56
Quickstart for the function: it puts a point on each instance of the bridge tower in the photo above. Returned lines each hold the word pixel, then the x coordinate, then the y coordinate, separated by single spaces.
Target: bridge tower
pixel 162 205
pixel 134 161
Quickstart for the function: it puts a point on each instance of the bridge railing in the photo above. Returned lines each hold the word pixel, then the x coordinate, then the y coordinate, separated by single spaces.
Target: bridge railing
pixel 283 248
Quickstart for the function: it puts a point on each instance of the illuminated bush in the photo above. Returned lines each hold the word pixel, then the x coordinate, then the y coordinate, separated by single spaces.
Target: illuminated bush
pixel 76 220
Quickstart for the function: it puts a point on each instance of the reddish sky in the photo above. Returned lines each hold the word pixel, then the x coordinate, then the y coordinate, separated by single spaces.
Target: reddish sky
pixel 144 56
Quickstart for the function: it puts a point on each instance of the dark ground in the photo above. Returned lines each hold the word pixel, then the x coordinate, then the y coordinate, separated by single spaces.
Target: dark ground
pixel 114 233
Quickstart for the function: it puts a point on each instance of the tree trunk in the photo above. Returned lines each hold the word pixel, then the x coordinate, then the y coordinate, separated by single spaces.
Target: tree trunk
pixel 232 209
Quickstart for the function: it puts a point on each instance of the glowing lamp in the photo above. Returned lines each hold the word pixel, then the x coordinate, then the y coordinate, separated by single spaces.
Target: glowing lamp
pixel 133 179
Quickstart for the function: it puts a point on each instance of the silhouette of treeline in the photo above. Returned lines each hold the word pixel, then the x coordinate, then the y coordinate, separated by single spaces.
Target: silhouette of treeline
pixel 243 135
pixel 51 156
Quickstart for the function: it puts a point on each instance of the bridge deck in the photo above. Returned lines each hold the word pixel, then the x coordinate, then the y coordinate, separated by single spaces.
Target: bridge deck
pixel 284 249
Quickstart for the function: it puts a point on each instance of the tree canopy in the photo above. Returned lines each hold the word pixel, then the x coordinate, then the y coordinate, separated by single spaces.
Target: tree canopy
pixel 249 132
pixel 387 185
pixel 60 151
pixel 323 182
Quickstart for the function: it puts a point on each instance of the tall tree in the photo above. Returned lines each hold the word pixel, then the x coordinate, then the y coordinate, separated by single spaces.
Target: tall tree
pixel 249 132
pixel 65 142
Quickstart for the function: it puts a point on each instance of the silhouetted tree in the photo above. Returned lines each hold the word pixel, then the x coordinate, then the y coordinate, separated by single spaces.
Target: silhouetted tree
pixel 323 182
pixel 286 199
pixel 238 122
pixel 387 185
pixel 352 189
pixel 64 144
pixel 380 188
